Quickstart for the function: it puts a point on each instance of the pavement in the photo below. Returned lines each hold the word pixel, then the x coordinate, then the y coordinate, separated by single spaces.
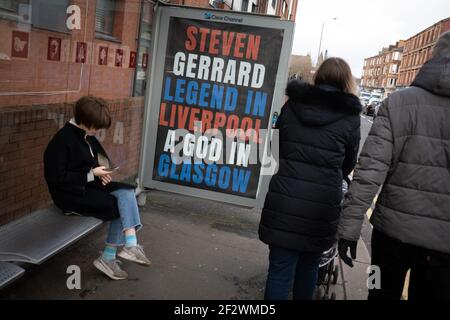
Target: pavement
pixel 200 249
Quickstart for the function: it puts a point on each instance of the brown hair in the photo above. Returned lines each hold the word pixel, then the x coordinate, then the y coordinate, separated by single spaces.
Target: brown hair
pixel 92 112
pixel 337 73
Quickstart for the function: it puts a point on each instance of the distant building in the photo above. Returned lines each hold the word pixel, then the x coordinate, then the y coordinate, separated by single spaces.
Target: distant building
pixel 418 50
pixel 381 71
pixel 301 68
pixel 322 58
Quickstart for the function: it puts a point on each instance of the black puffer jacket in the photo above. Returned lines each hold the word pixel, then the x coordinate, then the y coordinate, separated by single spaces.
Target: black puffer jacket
pixel 319 139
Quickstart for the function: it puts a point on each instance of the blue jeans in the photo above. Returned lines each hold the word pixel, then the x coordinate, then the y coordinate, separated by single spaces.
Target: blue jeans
pixel 129 217
pixel 287 266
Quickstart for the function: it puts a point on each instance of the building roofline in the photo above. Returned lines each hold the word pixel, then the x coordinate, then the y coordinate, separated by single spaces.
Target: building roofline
pixel 390 48
pixel 429 27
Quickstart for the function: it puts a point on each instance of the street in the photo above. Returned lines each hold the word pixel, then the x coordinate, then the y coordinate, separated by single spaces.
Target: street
pixel 366 125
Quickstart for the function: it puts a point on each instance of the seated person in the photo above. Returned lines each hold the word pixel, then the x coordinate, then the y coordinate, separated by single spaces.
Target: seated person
pixel 78 175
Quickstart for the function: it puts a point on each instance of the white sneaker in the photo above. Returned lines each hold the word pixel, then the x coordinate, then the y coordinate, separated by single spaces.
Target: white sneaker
pixel 135 254
pixel 110 268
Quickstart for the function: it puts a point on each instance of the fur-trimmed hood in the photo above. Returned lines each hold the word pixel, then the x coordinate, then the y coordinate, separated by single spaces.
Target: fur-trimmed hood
pixel 321 105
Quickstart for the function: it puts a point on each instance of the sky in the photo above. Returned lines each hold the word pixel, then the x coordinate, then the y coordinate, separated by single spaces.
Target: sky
pixel 363 27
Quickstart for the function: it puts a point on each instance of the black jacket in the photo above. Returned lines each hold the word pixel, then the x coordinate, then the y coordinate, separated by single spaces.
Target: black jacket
pixel 67 162
pixel 319 140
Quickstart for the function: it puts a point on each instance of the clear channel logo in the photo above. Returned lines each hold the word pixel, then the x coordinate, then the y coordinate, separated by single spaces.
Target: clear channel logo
pixel 211 16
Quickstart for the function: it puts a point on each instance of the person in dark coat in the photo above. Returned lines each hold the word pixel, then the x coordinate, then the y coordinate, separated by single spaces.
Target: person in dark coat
pixel 319 134
pixel 79 173
pixel 407 154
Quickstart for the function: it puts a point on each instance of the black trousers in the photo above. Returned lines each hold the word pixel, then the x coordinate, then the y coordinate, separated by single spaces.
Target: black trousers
pixel 429 276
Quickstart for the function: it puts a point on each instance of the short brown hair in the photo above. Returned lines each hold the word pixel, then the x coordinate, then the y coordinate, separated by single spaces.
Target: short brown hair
pixel 92 112
pixel 337 73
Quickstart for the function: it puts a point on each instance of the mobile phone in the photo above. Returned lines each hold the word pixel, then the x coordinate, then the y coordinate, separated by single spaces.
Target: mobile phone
pixel 112 168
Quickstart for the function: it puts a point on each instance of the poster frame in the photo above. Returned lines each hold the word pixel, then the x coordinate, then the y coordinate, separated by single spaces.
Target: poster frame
pixel 155 72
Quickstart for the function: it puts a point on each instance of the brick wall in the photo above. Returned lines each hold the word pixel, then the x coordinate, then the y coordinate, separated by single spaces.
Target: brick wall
pixel 24 134
pixel 68 79
pixel 36 97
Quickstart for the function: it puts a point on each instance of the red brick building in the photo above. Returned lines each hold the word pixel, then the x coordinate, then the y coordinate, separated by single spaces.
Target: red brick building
pixel 418 50
pixel 381 71
pixel 287 9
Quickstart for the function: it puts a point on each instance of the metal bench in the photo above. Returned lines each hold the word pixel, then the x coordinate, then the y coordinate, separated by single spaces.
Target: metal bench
pixel 40 235
pixel 37 237
pixel 9 272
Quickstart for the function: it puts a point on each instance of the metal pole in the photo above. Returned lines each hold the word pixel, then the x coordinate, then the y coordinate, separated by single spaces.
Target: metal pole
pixel 320 43
pixel 321 36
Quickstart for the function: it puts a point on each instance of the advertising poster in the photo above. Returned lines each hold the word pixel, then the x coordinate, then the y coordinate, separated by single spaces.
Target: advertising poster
pixel 132 59
pixel 223 77
pixel 103 56
pixel 119 58
pixel 54 49
pixel 19 44
pixel 218 81
pixel 81 52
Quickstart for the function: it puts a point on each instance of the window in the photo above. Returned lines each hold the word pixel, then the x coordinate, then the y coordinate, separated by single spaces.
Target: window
pixel 396 56
pixel 244 5
pixel 15 10
pixel 50 14
pixel 274 3
pixel 391 82
pixel 11 5
pixel 44 14
pixel 216 3
pixel 253 8
pixel 104 16
pixel 394 68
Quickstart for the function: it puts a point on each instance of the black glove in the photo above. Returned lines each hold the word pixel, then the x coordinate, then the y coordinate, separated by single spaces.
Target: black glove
pixel 343 246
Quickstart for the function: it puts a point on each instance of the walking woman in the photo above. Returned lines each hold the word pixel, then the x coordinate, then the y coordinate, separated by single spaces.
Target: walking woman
pixel 79 178
pixel 319 140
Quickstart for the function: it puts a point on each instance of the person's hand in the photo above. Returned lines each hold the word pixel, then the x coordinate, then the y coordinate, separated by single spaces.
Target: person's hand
pixel 343 246
pixel 106 179
pixel 104 175
pixel 100 171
